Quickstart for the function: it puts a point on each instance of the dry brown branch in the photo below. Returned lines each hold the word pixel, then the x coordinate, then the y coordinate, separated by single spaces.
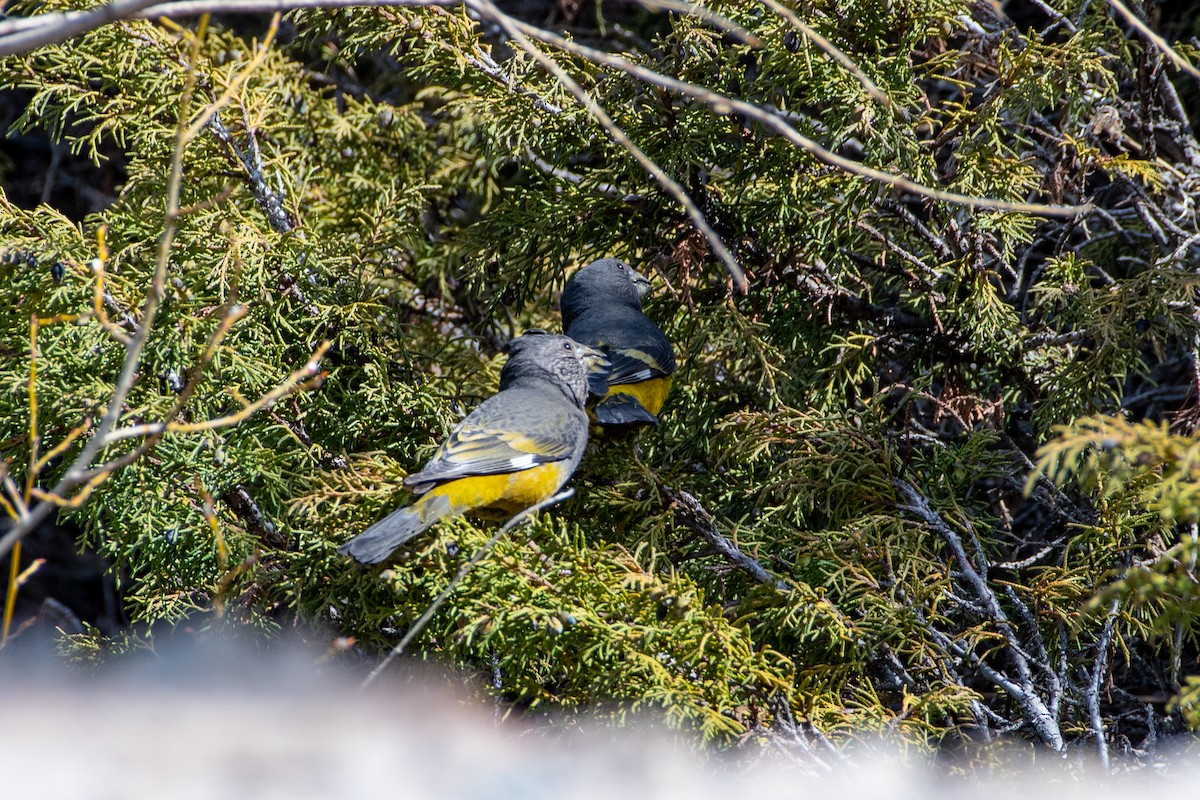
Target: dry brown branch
pixel 306 377
pixel 518 32
pixel 99 296
pixel 1159 42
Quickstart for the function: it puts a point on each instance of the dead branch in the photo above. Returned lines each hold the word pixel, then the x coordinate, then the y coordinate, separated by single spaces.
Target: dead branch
pixel 251 161
pixel 696 518
pixel 1023 690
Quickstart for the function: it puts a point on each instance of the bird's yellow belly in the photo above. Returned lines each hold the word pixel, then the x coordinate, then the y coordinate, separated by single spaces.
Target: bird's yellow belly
pixel 506 492
pixel 652 394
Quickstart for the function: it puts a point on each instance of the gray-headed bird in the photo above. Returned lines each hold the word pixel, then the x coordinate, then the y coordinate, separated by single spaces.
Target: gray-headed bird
pixel 516 449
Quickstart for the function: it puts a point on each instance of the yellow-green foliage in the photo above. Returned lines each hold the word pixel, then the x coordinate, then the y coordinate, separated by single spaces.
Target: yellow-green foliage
pixel 1113 457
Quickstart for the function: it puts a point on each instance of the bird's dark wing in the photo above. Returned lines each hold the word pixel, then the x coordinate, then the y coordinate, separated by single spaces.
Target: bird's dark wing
pixel 637 364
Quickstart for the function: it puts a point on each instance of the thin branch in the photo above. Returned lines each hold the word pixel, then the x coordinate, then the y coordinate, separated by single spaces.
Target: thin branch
pixel 303 378
pixel 1055 688
pixel 28 33
pixel 101 298
pixel 606 189
pixel 695 516
pixel 22 34
pixel 423 620
pixel 714 19
pixel 1159 42
pixel 1024 692
pixel 833 52
pixel 1099 672
pixel 268 199
pixel 1046 728
pixel 487 65
pixel 1058 18
pixel 774 119
pixel 520 33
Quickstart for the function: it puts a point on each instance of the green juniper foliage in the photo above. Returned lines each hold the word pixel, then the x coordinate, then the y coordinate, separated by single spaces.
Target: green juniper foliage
pixel 864 423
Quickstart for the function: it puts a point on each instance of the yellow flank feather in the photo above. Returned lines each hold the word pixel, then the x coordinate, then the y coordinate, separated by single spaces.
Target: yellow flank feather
pixel 651 393
pixel 508 492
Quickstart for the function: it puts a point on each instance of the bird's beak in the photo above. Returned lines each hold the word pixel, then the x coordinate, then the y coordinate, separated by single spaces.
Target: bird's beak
pixel 640 282
pixel 595 360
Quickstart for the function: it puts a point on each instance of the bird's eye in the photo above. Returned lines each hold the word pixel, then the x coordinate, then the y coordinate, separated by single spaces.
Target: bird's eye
pixel 621 267
pixel 566 345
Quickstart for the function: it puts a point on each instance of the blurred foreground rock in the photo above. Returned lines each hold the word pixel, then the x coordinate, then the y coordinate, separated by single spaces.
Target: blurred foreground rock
pixel 208 719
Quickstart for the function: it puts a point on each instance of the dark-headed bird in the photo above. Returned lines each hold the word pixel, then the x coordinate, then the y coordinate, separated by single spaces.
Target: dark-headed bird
pixel 602 307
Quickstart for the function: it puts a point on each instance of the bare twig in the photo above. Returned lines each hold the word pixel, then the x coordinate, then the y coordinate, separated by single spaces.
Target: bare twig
pixel 1099 673
pixel 520 33
pixel 712 18
pixel 1159 42
pixel 304 377
pixel 423 620
pixel 606 189
pixel 877 94
pixel 487 65
pixel 1022 690
pixel 1058 18
pixel 695 516
pixel 251 159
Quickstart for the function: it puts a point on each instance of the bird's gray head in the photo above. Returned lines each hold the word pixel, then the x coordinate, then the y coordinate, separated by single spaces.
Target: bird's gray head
pixel 608 280
pixel 541 356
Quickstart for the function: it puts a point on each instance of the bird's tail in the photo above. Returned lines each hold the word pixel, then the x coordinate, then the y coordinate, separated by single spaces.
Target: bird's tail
pixel 619 410
pixel 380 540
